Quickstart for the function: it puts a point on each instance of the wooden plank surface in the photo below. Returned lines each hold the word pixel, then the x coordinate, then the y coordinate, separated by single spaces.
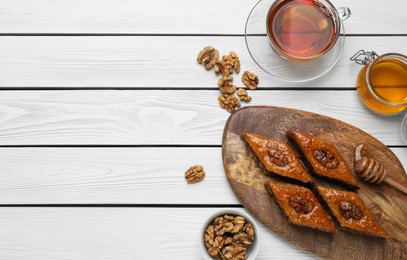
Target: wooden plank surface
pixel 146 117
pixel 115 175
pixel 155 16
pixel 116 233
pixel 142 175
pixel 135 62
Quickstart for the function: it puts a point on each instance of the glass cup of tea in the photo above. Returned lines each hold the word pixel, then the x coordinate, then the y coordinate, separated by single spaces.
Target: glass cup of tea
pixel 382 81
pixel 302 30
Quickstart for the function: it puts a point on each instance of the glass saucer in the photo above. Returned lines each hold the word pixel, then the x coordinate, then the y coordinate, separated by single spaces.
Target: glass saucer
pixel 266 58
pixel 404 128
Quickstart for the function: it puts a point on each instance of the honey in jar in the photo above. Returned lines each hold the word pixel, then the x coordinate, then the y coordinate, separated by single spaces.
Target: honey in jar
pixel 382 84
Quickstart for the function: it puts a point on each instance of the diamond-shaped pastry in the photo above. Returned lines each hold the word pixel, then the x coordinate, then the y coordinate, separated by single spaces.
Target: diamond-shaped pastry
pixel 350 211
pixel 300 206
pixel 278 158
pixel 325 159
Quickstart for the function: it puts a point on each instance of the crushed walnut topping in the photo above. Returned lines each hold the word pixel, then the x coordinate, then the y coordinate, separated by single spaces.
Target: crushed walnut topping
pixel 326 158
pixel 243 95
pixel 250 80
pixel 350 210
pixel 208 57
pixel 195 174
pixel 277 157
pixel 229 237
pixel 300 205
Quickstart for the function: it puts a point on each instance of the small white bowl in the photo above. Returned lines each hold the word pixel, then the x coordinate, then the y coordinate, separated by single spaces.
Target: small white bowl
pixel 253 249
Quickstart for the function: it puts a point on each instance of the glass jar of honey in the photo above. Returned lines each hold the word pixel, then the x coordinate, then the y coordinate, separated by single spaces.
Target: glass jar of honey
pixel 382 82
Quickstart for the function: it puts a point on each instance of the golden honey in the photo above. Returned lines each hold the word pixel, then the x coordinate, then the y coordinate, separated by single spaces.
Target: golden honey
pixel 382 84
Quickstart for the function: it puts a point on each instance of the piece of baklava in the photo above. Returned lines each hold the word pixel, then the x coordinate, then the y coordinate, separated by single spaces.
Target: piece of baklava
pixel 350 211
pixel 278 158
pixel 301 206
pixel 324 158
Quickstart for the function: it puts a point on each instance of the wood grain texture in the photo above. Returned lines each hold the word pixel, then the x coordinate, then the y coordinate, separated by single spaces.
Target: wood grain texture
pixel 115 175
pixel 116 233
pixel 151 62
pixel 160 117
pixel 247 179
pixel 155 16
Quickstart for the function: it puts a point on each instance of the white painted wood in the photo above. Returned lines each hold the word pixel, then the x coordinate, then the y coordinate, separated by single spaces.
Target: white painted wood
pixel 150 62
pixel 141 175
pixel 115 176
pixel 160 117
pixel 116 233
pixel 155 16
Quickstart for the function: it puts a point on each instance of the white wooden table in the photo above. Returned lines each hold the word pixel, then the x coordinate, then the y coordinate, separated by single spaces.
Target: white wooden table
pixel 103 107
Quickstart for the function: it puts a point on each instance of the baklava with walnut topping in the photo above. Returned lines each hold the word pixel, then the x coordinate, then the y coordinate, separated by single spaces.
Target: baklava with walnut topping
pixel 324 158
pixel 350 211
pixel 300 206
pixel 278 158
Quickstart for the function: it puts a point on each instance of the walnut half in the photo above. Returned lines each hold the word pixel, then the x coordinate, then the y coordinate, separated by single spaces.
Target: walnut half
pixel 229 102
pixel 195 174
pixel 300 205
pixel 326 158
pixel 250 80
pixel 243 95
pixel 235 253
pixel 213 243
pixel 208 57
pixel 225 85
pixel 350 210
pixel 222 67
pixel 232 60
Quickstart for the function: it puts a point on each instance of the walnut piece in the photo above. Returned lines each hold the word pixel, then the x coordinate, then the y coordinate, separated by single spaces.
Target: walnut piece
pixel 223 68
pixel 195 174
pixel 326 159
pixel 277 157
pixel 228 224
pixel 229 102
pixel 232 60
pixel 243 95
pixel 300 205
pixel 248 228
pixel 235 253
pixel 350 210
pixel 235 61
pixel 250 80
pixel 242 238
pixel 223 225
pixel 212 243
pixel 229 237
pixel 225 85
pixel 209 236
pixel 208 56
pixel 238 223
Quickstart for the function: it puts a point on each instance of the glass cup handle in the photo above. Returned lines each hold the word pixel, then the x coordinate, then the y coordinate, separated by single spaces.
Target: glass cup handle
pixel 344 13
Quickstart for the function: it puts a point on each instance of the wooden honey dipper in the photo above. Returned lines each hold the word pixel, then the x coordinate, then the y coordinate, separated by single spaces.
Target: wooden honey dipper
pixel 371 171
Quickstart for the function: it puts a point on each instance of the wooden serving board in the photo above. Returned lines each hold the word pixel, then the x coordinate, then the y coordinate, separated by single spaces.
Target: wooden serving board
pixel 246 177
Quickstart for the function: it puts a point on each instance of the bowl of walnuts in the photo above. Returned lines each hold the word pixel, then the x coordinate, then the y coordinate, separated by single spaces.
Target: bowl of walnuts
pixel 230 234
